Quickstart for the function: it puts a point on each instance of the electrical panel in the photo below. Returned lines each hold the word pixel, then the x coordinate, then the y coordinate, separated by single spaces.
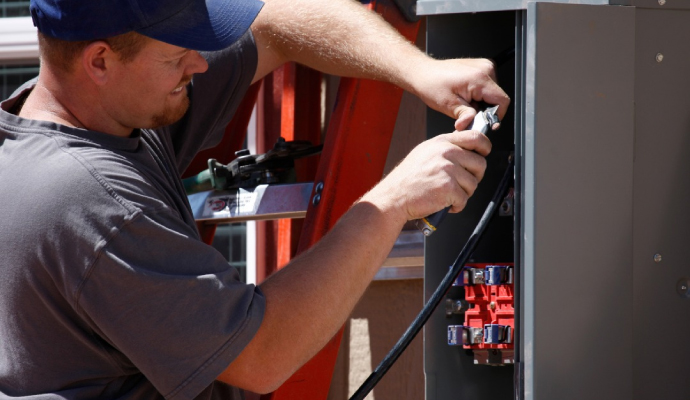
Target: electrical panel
pixel 568 289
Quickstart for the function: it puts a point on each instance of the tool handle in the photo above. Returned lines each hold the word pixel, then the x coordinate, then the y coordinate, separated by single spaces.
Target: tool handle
pixel 430 223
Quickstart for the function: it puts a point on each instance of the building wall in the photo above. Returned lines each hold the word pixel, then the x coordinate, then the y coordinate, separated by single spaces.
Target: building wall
pixel 18 46
pixel 388 306
pixel 378 321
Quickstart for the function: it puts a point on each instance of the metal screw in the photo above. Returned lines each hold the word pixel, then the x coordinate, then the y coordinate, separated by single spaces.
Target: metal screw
pixel 662 2
pixel 492 305
pixel 659 57
pixel 682 288
pixel 657 258
pixel 317 193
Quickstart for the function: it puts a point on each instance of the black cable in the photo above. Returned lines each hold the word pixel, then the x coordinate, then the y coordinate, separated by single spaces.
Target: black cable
pixel 504 56
pixel 440 292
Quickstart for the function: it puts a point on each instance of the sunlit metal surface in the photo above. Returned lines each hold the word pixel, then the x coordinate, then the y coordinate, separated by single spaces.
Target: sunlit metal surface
pixel 268 202
pixel 433 7
pixel 260 203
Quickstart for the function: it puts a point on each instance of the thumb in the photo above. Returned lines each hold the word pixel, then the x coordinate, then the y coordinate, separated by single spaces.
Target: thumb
pixel 464 115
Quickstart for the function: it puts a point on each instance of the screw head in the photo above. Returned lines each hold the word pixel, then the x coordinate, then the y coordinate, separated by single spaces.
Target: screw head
pixel 316 200
pixel 662 2
pixel 659 57
pixel 657 258
pixel 319 187
pixel 492 305
pixel 683 288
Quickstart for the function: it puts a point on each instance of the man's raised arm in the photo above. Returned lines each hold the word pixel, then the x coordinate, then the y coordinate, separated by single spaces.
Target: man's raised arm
pixel 341 37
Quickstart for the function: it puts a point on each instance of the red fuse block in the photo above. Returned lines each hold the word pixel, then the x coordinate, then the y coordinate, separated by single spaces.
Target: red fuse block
pixel 489 287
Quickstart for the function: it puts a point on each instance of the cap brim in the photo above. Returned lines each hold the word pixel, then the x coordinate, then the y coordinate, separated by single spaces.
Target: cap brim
pixel 208 25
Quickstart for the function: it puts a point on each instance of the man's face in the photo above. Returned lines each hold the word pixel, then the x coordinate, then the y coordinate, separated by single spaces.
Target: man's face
pixel 150 91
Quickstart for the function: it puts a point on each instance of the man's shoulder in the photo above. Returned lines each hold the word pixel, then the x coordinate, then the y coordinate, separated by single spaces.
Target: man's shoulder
pixel 79 172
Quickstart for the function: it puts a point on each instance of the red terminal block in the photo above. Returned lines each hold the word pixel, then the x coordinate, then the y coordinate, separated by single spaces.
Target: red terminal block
pixel 489 287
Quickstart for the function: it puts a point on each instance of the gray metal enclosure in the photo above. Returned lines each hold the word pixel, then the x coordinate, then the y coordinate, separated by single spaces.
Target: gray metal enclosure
pixel 600 127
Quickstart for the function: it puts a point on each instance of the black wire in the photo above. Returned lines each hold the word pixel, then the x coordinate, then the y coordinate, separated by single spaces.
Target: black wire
pixel 440 292
pixel 504 56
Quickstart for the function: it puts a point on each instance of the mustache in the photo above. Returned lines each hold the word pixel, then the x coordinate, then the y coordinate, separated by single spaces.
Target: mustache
pixel 185 80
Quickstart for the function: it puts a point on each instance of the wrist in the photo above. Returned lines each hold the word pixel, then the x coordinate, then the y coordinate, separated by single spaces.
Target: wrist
pixel 387 205
pixel 414 74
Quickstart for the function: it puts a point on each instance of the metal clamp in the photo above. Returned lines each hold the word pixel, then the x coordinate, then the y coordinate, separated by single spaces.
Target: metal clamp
pixel 461 335
pixel 498 275
pixel 473 276
pixel 497 334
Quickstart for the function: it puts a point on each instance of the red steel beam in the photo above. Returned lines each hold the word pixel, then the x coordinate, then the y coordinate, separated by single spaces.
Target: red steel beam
pixel 353 160
pixel 224 152
pixel 286 87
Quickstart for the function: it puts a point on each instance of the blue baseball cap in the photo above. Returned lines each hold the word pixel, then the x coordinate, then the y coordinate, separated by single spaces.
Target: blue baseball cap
pixel 206 25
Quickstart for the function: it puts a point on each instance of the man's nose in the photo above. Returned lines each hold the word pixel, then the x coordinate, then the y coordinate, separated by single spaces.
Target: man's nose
pixel 197 63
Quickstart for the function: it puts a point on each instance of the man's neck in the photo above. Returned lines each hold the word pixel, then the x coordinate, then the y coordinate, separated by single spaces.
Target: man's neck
pixel 41 104
pixel 49 104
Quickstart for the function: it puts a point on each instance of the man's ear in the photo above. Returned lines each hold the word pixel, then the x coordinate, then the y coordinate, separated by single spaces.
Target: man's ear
pixel 98 60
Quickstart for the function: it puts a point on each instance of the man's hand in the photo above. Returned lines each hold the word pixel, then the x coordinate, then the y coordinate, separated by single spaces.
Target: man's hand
pixel 440 172
pixel 452 86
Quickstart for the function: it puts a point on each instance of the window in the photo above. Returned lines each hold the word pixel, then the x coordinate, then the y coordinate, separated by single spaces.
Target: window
pixel 231 241
pixel 14 8
pixel 12 76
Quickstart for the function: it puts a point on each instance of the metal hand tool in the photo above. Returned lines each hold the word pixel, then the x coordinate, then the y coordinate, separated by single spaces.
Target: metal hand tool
pixel 483 122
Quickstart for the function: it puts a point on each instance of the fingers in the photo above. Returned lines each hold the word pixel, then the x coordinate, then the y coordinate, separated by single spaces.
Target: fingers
pixel 470 140
pixel 464 114
pixel 481 87
pixel 465 166
pixel 467 183
pixel 491 93
pixel 488 67
pixel 472 163
pixel 440 172
pixel 462 182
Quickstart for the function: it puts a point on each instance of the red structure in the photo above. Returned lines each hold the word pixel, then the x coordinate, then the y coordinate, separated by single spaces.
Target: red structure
pixel 353 160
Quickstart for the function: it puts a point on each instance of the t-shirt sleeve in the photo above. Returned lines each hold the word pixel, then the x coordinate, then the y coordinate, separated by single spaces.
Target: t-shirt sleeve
pixel 214 98
pixel 170 304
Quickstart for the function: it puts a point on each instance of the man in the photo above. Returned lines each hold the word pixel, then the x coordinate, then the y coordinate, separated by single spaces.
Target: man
pixel 106 290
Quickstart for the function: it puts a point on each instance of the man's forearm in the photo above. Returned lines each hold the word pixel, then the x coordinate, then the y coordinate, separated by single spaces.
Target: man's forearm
pixel 309 299
pixel 339 37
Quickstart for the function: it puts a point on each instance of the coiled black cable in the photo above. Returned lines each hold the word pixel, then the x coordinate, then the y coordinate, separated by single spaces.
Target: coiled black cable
pixel 441 290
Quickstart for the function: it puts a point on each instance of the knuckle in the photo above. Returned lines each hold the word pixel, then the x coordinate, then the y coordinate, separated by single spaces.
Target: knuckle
pixel 482 165
pixel 477 138
pixel 472 185
pixel 447 168
pixel 486 64
pixel 460 203
pixel 449 152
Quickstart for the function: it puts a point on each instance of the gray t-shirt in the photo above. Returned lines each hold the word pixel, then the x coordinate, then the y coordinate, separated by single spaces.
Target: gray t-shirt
pixel 106 290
